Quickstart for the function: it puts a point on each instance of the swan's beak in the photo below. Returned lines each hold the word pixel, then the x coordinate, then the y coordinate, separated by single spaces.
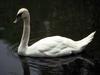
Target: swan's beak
pixel 15 21
pixel 18 18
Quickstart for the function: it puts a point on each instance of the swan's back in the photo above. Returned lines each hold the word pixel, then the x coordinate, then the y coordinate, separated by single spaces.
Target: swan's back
pixel 54 40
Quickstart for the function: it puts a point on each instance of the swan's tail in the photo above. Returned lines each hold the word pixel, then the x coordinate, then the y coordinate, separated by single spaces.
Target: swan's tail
pixel 85 41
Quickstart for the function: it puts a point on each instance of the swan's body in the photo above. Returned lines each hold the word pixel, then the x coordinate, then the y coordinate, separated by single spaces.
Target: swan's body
pixel 48 47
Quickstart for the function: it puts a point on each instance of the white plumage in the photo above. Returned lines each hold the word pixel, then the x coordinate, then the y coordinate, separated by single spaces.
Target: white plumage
pixel 50 46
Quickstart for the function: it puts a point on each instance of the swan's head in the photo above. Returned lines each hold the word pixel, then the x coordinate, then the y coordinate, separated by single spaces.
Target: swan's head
pixel 23 13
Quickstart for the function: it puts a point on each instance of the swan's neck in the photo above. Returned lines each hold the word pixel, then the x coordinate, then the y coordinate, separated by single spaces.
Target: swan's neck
pixel 26 32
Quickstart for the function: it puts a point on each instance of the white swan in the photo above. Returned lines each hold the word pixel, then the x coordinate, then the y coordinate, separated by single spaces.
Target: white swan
pixel 50 46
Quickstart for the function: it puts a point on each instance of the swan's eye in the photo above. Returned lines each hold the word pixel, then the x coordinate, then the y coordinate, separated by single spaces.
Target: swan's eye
pixel 19 15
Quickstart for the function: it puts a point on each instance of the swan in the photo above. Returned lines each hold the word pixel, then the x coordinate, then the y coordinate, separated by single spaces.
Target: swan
pixel 52 46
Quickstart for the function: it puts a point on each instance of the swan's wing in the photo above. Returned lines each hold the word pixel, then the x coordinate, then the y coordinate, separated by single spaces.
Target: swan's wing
pixel 65 51
pixel 53 46
pixel 45 44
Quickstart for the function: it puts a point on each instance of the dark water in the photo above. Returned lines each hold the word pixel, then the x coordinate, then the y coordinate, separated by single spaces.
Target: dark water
pixel 69 18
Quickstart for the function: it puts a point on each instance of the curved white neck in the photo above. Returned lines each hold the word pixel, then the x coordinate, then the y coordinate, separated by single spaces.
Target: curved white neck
pixel 26 32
